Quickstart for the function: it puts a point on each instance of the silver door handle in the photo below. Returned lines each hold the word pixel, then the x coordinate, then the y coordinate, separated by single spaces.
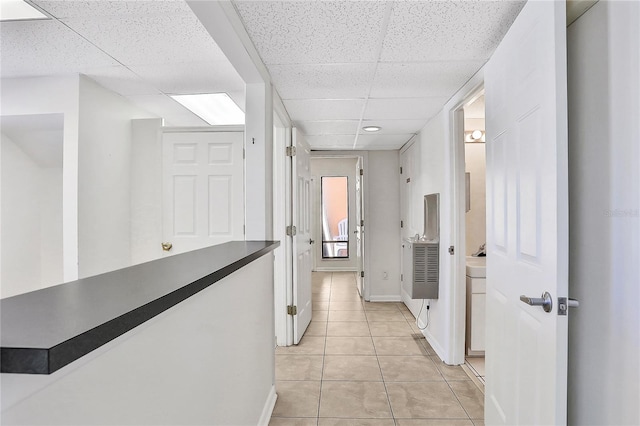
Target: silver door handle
pixel 545 301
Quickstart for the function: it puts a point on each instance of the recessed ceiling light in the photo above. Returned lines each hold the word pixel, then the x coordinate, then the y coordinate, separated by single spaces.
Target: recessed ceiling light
pixel 217 109
pixel 18 10
pixel 371 128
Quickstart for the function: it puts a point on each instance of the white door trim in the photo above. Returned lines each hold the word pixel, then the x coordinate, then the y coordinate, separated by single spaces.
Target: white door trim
pixel 458 223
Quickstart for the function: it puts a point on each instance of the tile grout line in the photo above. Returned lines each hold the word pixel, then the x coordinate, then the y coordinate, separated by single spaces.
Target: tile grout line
pixel 384 382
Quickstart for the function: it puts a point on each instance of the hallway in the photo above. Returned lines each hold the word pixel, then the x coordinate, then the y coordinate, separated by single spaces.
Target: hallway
pixel 365 363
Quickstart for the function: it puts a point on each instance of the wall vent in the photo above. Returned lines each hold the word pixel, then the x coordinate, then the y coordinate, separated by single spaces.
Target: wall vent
pixel 425 269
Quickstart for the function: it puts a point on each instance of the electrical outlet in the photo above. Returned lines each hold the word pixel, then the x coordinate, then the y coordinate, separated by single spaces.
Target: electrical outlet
pixel 385 275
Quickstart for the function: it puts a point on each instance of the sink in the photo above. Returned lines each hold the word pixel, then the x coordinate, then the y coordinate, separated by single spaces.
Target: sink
pixel 476 267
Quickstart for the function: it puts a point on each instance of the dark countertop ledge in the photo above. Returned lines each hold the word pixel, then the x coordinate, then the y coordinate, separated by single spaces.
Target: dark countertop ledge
pixel 44 330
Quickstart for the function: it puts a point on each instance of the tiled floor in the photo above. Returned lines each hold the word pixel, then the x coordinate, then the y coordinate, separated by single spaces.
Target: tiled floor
pixel 367 364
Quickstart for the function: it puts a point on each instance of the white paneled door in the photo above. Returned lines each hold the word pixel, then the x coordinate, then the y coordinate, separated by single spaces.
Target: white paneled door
pixel 203 189
pixel 301 214
pixel 527 221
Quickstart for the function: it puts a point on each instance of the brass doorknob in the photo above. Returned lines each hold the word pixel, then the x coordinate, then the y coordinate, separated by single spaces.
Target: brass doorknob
pixel 166 246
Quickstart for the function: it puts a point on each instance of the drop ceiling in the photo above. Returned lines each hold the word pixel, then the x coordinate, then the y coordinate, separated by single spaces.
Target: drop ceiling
pixel 143 50
pixel 338 65
pixel 343 65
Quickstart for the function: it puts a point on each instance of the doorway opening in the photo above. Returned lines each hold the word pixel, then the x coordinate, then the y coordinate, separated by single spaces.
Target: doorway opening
pixel 339 214
pixel 475 233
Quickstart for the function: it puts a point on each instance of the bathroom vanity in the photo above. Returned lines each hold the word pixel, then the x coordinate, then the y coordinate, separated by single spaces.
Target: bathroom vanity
pixel 476 305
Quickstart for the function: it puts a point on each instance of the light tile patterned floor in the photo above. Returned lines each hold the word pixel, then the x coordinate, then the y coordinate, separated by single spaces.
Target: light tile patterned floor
pixel 367 364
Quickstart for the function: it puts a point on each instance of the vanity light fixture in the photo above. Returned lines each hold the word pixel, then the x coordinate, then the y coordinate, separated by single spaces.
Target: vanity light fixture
pixel 217 109
pixel 372 128
pixel 19 10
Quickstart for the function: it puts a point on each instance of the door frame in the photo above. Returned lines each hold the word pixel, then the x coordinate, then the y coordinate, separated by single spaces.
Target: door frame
pixel 365 195
pixel 316 212
pixel 283 284
pixel 454 136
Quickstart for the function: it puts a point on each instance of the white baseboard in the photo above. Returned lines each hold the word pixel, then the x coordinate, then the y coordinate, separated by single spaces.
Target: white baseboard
pixel 269 404
pixel 385 298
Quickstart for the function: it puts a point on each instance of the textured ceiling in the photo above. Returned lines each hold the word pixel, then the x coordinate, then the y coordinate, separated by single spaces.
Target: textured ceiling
pixel 338 65
pixel 341 65
pixel 143 50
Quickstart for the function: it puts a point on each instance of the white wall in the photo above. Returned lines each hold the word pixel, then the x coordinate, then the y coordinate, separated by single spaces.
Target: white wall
pixel 21 239
pixel 146 189
pixel 189 365
pixel 382 224
pixel 429 174
pixel 104 178
pixel 47 95
pixel 604 179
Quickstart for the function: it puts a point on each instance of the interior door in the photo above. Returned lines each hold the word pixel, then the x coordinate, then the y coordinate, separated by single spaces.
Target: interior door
pixel 359 231
pixel 301 214
pixel 527 220
pixel 203 189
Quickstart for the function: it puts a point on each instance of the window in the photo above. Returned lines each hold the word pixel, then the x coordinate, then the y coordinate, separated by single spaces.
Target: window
pixel 335 217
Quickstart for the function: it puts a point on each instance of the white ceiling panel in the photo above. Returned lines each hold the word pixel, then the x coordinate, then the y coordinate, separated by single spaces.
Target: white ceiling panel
pixel 121 80
pixel 163 106
pixel 46 47
pixel 378 142
pixel 328 142
pixel 314 32
pixel 150 40
pixel 324 109
pixel 192 77
pixel 403 109
pixel 323 81
pixel 447 30
pixel 103 8
pixel 414 80
pixel 337 127
pixel 396 126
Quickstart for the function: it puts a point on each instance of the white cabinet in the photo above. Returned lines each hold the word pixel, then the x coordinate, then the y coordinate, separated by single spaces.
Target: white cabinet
pixel 476 305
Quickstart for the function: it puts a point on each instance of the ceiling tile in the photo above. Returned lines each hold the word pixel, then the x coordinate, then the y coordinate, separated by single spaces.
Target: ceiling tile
pixel 192 77
pixel 150 40
pixel 405 109
pixel 378 142
pixel 337 127
pixel 396 126
pixel 447 30
pixel 395 80
pixel 121 80
pixel 163 106
pixel 102 8
pixel 46 47
pixel 323 81
pixel 312 32
pixel 331 141
pixel 324 109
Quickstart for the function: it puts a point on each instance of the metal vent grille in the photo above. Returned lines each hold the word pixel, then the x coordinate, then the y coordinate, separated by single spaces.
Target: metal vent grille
pixel 426 266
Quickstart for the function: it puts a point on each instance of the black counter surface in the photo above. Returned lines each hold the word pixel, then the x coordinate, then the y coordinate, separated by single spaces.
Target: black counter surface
pixel 44 330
